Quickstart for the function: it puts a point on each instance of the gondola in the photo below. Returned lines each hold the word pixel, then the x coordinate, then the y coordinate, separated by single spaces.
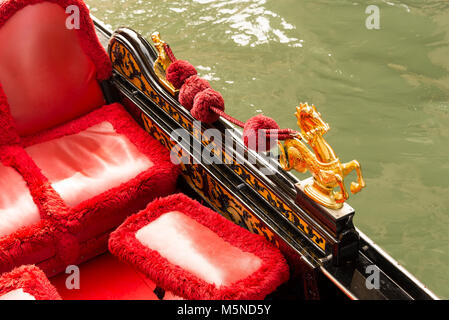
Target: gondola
pixel 327 257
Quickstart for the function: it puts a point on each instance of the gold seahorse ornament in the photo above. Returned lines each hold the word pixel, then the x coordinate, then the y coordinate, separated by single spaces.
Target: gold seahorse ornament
pixel 327 170
pixel 162 62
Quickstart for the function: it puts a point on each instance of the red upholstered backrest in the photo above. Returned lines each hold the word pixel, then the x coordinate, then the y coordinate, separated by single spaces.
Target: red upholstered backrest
pixel 49 73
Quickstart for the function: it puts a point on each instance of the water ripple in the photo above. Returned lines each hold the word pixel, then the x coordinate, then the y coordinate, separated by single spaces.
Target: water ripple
pixel 250 22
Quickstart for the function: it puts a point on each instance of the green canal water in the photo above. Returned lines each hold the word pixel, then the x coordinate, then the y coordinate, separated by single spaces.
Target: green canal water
pixel 384 92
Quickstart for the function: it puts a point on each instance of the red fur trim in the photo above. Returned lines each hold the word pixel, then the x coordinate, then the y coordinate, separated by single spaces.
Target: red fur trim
pixel 44 196
pixel 31 280
pixel 27 245
pixel 35 243
pixel 67 248
pixel 123 243
pixel 86 34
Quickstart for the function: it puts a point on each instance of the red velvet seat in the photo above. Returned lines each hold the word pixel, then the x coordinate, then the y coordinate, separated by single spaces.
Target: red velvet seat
pixel 196 254
pixel 103 166
pixel 71 168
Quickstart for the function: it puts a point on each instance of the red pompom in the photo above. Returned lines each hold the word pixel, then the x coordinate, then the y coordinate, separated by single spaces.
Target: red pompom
pixel 178 72
pixel 191 87
pixel 203 102
pixel 251 132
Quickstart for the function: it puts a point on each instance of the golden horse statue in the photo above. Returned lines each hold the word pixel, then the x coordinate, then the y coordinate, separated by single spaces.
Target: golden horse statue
pixel 327 170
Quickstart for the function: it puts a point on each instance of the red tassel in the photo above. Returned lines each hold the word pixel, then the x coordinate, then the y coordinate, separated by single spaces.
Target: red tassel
pixel 202 105
pixel 207 105
pixel 178 72
pixel 191 87
pixel 251 132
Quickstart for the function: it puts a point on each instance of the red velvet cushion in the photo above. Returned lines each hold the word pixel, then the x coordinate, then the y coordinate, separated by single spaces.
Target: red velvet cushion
pixel 46 76
pixel 85 149
pixel 83 165
pixel 197 249
pixel 140 242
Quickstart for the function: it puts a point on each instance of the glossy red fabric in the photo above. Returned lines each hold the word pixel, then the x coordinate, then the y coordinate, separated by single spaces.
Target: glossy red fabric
pixel 86 34
pixel 124 244
pixel 45 73
pixel 107 278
